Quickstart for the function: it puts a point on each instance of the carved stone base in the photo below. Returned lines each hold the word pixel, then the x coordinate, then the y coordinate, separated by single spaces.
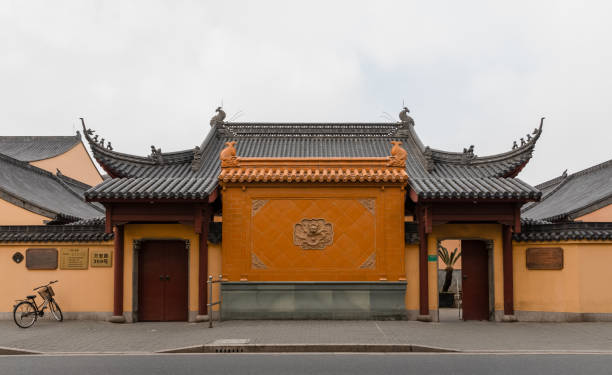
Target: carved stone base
pixel 509 318
pixel 201 318
pixel 424 318
pixel 117 319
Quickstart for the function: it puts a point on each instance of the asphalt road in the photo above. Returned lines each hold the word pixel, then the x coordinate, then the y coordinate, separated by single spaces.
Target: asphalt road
pixel 316 364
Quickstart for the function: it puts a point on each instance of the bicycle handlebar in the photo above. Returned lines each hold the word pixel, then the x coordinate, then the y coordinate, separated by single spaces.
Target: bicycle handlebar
pixel 42 286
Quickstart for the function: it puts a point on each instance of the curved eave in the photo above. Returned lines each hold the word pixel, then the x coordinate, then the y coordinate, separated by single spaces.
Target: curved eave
pixel 516 158
pixel 116 163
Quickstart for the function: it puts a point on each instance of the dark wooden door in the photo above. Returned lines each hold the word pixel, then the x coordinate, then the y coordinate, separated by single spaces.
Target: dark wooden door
pixel 162 281
pixel 475 275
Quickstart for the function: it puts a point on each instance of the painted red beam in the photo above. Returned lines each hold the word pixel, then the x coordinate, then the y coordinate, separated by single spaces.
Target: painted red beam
pixel 203 263
pixel 508 270
pixel 118 277
pixel 423 269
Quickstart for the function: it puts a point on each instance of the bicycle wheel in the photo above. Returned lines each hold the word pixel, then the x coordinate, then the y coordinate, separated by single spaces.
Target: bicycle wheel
pixel 24 314
pixel 56 311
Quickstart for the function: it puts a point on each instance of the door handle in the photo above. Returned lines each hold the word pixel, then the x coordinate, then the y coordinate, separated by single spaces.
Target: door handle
pixel 167 277
pixel 464 277
pixel 161 277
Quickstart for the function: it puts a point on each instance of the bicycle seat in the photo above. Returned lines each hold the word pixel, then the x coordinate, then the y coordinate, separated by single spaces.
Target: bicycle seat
pixel 30 297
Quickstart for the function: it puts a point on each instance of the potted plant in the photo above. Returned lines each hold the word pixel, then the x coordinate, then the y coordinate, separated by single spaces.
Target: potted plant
pixel 446 299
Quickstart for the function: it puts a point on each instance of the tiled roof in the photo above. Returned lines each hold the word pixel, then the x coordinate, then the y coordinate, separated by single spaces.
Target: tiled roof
pixel 570 196
pixel 150 188
pixel 473 188
pixel 54 233
pixel 321 170
pixel 36 148
pixel 43 192
pixel 541 232
pixel 318 140
pixel 565 232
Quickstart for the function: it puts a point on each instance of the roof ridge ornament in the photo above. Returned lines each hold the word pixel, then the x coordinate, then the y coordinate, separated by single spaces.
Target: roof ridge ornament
pixel 404 118
pixel 156 155
pixel 468 155
pixel 228 155
pixel 398 155
pixel 218 118
pixel 531 138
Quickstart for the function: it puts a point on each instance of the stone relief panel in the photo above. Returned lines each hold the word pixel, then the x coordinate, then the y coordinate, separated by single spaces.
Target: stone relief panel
pixel 257 205
pixel 369 263
pixel 257 263
pixel 313 234
pixel 369 204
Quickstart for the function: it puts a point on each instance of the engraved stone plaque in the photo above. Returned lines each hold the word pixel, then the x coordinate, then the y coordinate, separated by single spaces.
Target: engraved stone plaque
pixel 545 258
pixel 41 259
pixel 74 258
pixel 101 258
pixel 313 234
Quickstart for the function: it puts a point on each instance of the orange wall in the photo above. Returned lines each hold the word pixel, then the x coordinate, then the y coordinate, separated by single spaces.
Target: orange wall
pixel 75 163
pixel 14 215
pixel 268 234
pixel 89 290
pixel 582 286
pixel 603 214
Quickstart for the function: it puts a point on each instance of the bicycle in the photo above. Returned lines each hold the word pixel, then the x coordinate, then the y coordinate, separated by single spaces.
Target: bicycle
pixel 25 312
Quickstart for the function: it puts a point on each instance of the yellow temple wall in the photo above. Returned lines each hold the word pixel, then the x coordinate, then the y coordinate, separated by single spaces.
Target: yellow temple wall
pixel 74 163
pixel 603 214
pixel 412 277
pixel 581 287
pixel 214 268
pixel 15 215
pixel 81 294
pixel 258 226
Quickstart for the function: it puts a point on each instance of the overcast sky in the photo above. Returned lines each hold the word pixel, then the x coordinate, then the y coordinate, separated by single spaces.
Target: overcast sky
pixel 152 72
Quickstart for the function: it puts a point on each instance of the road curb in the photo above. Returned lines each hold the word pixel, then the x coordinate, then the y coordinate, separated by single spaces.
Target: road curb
pixel 15 351
pixel 308 348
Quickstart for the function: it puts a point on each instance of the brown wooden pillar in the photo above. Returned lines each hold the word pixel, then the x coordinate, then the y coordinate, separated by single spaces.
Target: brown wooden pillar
pixel 203 266
pixel 118 277
pixel 423 269
pixel 508 270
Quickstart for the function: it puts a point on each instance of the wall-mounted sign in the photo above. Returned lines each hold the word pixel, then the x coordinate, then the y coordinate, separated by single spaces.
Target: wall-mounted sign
pixel 41 259
pixel 432 258
pixel 101 258
pixel 74 258
pixel 17 257
pixel 545 258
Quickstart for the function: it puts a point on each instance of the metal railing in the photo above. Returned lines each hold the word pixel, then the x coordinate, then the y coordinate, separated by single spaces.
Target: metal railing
pixel 210 303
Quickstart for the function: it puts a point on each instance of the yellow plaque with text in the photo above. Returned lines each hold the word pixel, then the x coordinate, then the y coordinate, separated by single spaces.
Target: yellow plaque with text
pixel 74 258
pixel 101 258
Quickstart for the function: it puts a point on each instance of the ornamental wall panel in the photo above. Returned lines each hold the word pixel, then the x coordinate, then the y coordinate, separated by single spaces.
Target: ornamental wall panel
pixel 259 233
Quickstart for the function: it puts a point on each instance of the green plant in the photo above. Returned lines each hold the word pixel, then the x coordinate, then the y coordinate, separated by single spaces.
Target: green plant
pixel 449 259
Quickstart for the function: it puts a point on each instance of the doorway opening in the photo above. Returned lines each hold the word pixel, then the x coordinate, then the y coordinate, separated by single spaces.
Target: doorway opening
pixel 465 279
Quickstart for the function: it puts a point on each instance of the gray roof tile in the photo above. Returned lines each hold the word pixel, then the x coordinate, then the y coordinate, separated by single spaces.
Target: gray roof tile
pixel 36 188
pixel 36 148
pixel 449 175
pixel 570 196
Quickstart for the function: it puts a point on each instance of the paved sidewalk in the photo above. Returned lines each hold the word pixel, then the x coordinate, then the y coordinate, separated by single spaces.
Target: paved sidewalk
pixel 94 336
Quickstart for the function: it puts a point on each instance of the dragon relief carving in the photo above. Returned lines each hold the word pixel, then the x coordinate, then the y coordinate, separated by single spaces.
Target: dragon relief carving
pixel 313 234
pixel 370 263
pixel 398 155
pixel 228 155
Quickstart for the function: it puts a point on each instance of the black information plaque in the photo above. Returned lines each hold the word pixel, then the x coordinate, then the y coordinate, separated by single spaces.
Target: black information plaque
pixel 41 259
